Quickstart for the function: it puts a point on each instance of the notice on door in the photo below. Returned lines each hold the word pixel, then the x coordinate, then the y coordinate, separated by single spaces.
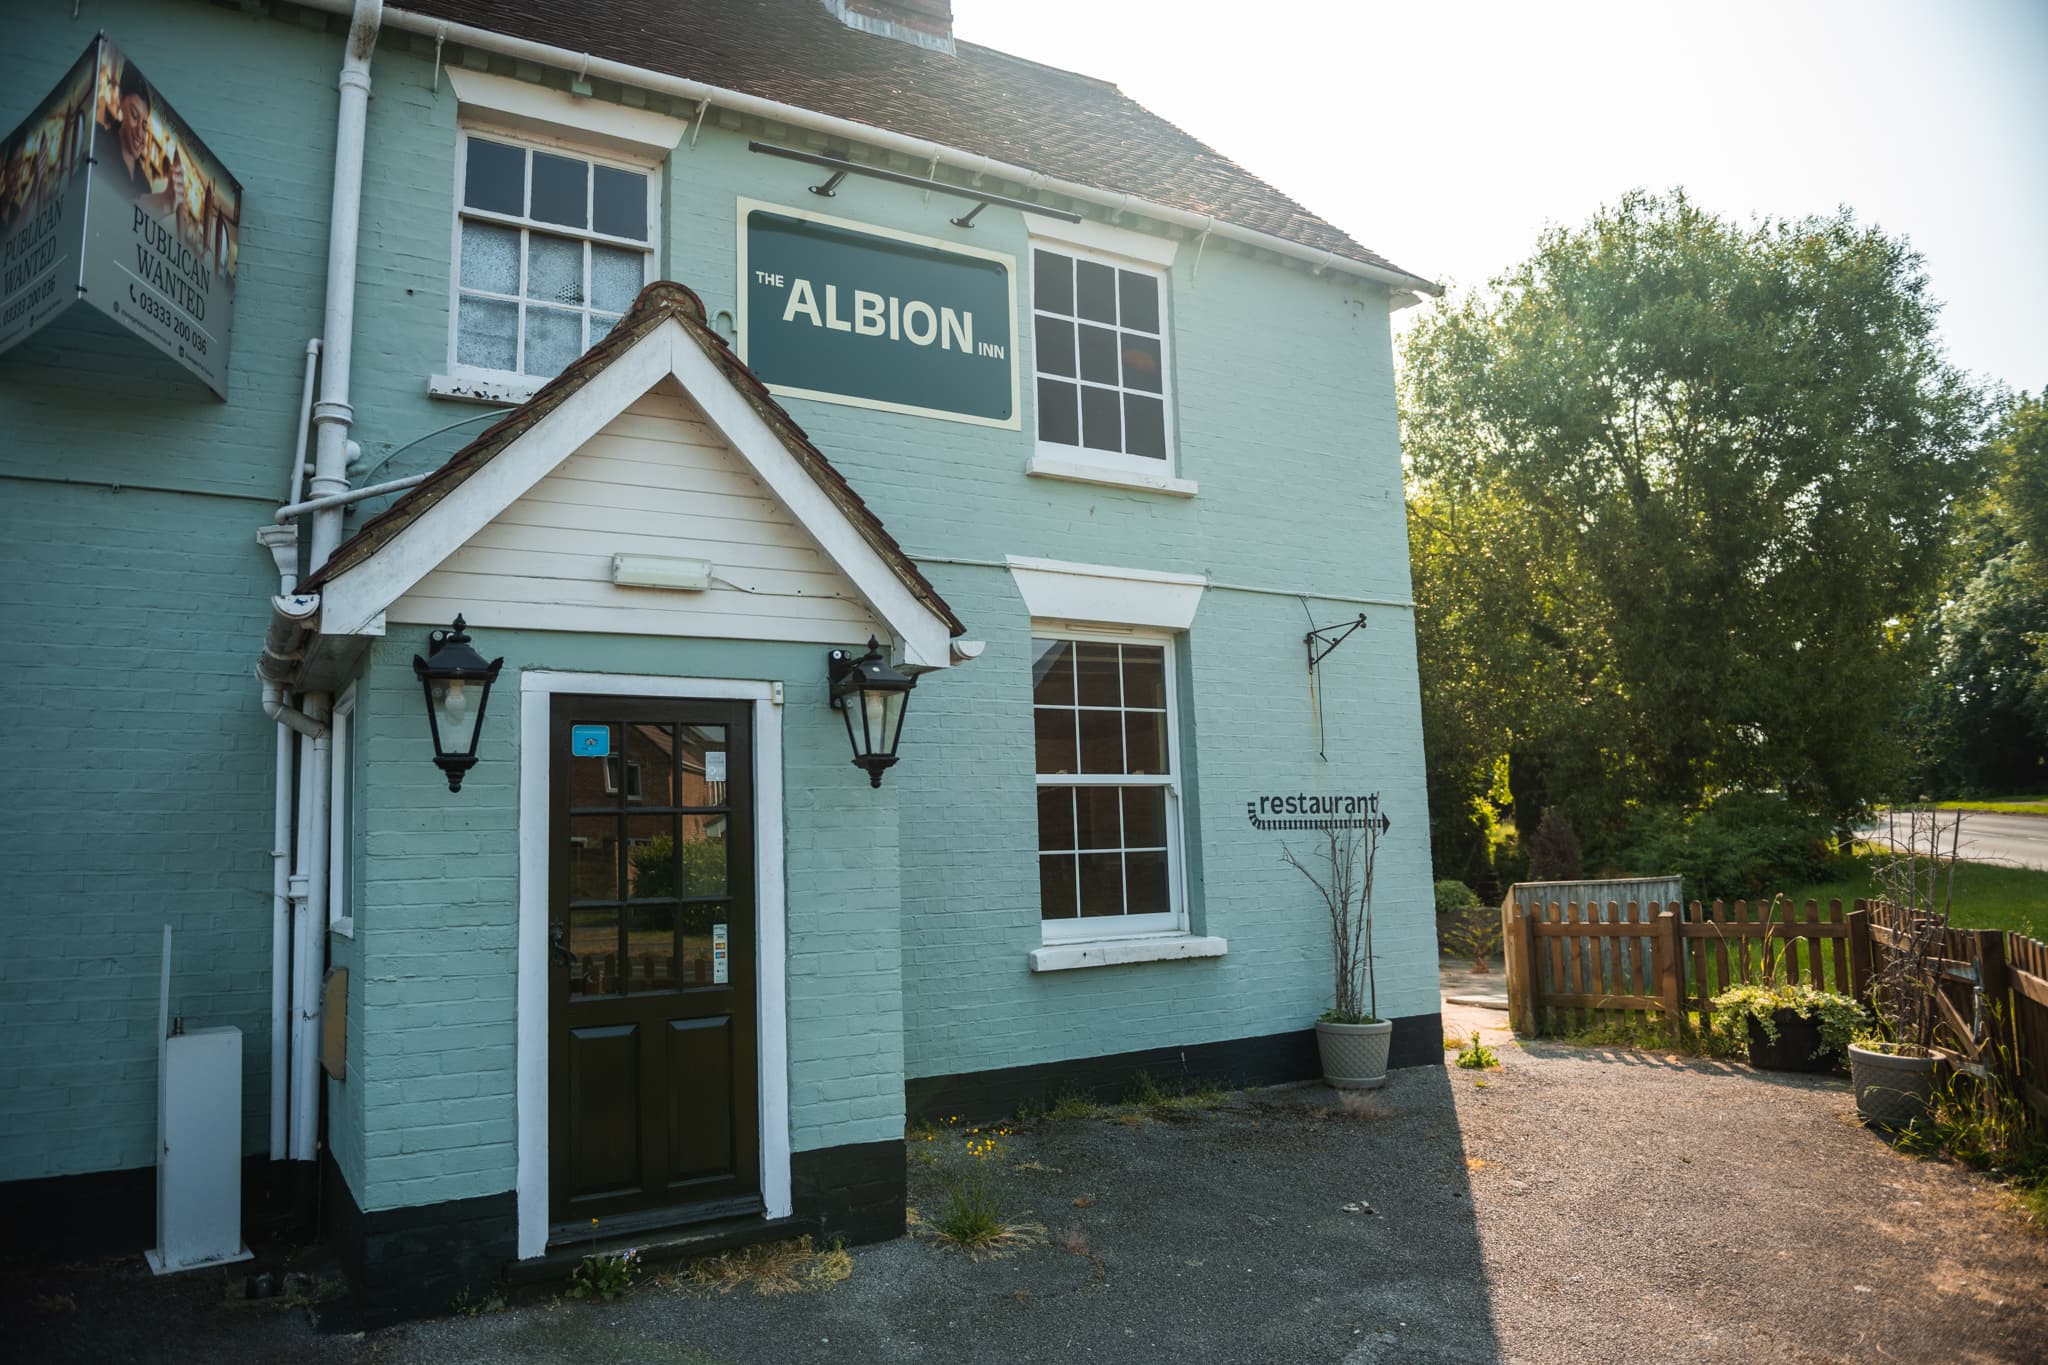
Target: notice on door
pixel 720 966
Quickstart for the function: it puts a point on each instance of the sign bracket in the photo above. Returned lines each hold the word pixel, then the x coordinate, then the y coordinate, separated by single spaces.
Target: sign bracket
pixel 841 167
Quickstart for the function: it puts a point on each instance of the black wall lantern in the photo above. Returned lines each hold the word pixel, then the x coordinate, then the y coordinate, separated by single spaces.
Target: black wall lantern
pixel 457 682
pixel 872 697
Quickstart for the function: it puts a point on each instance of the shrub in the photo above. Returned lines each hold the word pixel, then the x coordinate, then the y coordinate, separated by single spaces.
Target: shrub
pixel 1743 844
pixel 1453 896
pixel 1473 934
pixel 1554 852
pixel 1477 1056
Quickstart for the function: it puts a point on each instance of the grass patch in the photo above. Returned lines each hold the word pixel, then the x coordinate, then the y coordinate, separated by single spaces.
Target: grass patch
pixel 1988 896
pixel 1149 1096
pixel 2009 805
pixel 772 1268
pixel 1072 1104
pixel 1477 1056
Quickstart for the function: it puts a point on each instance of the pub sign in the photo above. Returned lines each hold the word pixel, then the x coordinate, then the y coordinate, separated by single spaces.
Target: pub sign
pixel 108 197
pixel 861 315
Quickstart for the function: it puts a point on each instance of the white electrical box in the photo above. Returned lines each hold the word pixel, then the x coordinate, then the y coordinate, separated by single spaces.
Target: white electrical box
pixel 199 1151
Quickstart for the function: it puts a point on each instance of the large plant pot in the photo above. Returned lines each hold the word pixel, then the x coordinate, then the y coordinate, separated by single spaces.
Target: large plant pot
pixel 1355 1055
pixel 1891 1091
pixel 1798 1047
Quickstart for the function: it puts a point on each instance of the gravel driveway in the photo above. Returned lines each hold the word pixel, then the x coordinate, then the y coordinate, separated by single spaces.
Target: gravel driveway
pixel 1581 1206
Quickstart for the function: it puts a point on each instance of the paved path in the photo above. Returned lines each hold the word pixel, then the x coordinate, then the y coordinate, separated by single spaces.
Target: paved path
pixel 2014 840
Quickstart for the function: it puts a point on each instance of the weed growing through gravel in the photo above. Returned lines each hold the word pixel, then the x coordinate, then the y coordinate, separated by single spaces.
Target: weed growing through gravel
pixel 1477 1056
pixel 974 1191
pixel 1982 1124
pixel 1149 1096
pixel 1072 1104
pixel 794 1267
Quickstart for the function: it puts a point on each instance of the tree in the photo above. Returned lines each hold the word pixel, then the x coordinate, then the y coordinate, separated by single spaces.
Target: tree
pixel 1689 477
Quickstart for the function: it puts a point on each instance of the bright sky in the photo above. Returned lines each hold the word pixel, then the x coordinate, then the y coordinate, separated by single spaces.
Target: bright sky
pixel 1445 136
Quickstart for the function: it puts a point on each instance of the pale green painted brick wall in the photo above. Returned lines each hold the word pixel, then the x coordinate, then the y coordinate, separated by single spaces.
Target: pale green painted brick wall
pixel 437 920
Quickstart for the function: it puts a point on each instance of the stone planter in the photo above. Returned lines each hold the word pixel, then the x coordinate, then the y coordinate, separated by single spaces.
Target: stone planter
pixel 1354 1055
pixel 1891 1091
pixel 1798 1047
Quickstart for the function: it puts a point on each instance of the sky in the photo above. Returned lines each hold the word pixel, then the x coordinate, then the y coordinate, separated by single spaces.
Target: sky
pixel 1446 136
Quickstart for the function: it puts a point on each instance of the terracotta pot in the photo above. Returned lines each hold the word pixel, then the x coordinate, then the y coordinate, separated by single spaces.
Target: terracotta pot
pixel 1355 1055
pixel 1891 1091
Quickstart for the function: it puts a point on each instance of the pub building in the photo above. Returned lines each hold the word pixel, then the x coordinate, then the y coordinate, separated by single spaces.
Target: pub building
pixel 648 600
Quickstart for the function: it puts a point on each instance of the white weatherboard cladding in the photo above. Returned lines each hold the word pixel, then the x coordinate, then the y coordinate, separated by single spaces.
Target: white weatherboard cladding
pixel 657 480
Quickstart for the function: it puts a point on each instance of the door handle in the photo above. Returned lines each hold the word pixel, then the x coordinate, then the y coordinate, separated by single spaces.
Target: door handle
pixel 558 944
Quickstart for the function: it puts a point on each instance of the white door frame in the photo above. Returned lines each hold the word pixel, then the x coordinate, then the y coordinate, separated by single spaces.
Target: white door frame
pixel 537 689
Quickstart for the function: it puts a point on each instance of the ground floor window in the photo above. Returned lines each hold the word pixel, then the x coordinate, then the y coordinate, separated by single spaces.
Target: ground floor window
pixel 1108 814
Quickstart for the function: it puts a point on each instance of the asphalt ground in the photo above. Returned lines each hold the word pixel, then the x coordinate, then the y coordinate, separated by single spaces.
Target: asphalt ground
pixel 1989 837
pixel 1582 1205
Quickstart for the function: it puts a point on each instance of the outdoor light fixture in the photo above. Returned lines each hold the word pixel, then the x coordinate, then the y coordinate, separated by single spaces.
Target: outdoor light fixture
pixel 871 696
pixel 457 682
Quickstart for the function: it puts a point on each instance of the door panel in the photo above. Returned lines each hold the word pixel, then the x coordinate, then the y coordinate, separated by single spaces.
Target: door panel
pixel 652 963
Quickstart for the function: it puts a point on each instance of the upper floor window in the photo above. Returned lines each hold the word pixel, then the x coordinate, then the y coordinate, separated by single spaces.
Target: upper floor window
pixel 551 246
pixel 1099 333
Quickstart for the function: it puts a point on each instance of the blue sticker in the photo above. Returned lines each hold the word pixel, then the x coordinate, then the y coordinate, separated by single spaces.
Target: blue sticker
pixel 590 741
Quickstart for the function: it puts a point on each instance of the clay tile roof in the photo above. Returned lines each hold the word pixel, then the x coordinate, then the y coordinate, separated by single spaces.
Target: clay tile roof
pixel 1061 123
pixel 658 302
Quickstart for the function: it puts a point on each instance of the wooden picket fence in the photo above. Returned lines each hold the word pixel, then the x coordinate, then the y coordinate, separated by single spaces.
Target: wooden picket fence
pixel 1571 967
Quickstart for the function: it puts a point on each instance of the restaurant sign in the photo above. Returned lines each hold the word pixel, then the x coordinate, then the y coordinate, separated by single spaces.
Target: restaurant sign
pixel 862 315
pixel 108 198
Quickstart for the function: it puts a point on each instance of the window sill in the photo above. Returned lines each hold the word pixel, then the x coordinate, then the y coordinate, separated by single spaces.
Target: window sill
pixel 1080 471
pixel 1117 952
pixel 502 393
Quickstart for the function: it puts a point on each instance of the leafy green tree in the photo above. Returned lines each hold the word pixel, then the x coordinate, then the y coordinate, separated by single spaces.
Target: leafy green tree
pixel 1684 478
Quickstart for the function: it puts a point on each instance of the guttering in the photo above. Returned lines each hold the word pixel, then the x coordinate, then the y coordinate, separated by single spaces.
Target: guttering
pixel 332 415
pixel 917 148
pixel 342 499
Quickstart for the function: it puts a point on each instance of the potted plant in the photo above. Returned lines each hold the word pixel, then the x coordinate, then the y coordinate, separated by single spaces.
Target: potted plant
pixel 1892 1067
pixel 1789 1026
pixel 1351 1038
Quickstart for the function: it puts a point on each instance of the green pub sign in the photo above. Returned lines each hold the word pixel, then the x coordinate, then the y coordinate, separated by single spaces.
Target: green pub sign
pixel 861 315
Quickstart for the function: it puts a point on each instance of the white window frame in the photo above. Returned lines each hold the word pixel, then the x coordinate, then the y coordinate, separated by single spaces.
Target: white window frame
pixel 478 382
pixel 1050 459
pixel 1174 922
pixel 341 787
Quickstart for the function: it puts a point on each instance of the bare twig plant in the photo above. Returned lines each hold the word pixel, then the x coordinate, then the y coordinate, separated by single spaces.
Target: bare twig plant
pixel 1344 879
pixel 1918 877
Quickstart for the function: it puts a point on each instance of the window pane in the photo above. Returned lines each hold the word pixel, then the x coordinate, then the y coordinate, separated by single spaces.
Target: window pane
pixel 650 845
pixel 1055 818
pixel 1098 354
pixel 1055 345
pixel 495 178
pixel 1102 741
pixel 1101 427
pixel 649 748
pixel 1095 668
pixel 1141 364
pixel 1145 742
pixel 619 199
pixel 1144 426
pixel 1140 298
pixel 1095 291
pixel 616 275
pixel 1146 883
pixel 601 325
pixel 1144 817
pixel 490 258
pixel 1052 673
pixel 553 339
pixel 704 856
pixel 1055 740
pixel 1056 887
pixel 594 944
pixel 650 948
pixel 554 269
pixel 1144 675
pixel 487 334
pixel 1097 823
pixel 1102 883
pixel 1056 418
pixel 704 769
pixel 561 190
pixel 1052 282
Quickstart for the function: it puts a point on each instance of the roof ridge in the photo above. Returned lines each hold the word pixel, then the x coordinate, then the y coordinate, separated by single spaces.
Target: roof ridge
pixel 1102 81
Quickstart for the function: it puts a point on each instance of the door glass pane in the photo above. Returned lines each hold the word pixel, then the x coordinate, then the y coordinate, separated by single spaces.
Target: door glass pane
pixel 650 764
pixel 699 924
pixel 615 277
pixel 1102 884
pixel 561 192
pixel 650 947
pixel 490 258
pixel 554 269
pixel 704 863
pixel 495 179
pixel 1096 820
pixel 594 942
pixel 593 855
pixel 705 775
pixel 620 201
pixel 1052 673
pixel 651 855
pixel 553 339
pixel 487 333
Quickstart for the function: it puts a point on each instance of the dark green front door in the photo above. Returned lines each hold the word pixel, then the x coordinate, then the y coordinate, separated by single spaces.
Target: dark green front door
pixel 654 1114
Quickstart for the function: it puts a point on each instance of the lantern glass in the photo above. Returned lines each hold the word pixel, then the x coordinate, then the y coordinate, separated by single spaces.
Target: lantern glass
pixel 872 697
pixel 457 683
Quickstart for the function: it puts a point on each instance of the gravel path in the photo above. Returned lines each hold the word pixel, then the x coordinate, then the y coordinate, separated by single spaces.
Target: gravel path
pixel 1583 1205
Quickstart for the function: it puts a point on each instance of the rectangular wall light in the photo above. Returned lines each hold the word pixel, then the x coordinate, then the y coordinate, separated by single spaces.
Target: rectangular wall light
pixel 657 571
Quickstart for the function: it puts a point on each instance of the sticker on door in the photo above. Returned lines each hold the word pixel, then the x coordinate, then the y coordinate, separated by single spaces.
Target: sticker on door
pixel 718 955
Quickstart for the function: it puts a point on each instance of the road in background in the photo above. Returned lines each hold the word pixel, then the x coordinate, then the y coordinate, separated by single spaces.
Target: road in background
pixel 2010 840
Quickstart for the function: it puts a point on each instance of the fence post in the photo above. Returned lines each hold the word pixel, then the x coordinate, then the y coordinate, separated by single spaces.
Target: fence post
pixel 1512 959
pixel 1532 988
pixel 1994 987
pixel 1859 953
pixel 1670 971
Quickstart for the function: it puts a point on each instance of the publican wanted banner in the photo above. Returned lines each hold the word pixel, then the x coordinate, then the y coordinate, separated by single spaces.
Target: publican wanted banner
pixel 108 197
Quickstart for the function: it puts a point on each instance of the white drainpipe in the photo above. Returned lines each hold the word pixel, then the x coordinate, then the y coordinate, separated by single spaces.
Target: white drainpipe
pixel 332 414
pixel 309 935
